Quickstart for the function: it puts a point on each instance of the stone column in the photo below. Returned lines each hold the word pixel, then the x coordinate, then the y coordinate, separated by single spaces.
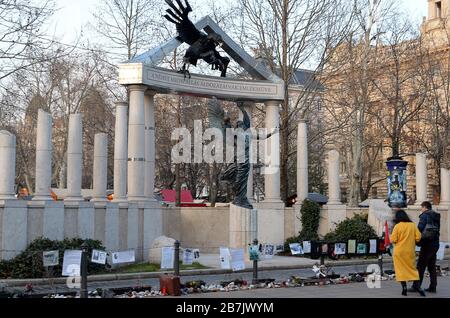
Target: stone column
pixel 334 187
pixel 149 145
pixel 272 169
pixel 445 188
pixel 100 168
pixel 121 152
pixel 302 162
pixel 74 158
pixel 136 144
pixel 7 165
pixel 421 178
pixel 43 157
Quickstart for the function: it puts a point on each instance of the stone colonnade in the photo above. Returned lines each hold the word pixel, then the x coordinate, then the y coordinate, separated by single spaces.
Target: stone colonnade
pixel 134 154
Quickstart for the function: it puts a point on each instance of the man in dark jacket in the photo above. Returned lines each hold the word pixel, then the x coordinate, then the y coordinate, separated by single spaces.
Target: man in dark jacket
pixel 429 247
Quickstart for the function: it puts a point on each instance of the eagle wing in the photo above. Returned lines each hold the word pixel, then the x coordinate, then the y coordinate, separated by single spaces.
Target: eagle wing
pixel 187 32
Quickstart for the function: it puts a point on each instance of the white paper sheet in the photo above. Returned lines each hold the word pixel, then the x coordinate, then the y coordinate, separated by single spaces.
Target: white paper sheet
pixel 340 248
pixel 225 258
pixel 167 257
pixel 296 249
pixel 196 253
pixel 373 247
pixel 123 257
pixel 237 259
pixel 99 257
pixel 306 247
pixel 50 258
pixel 71 263
pixel 188 256
pixel 441 252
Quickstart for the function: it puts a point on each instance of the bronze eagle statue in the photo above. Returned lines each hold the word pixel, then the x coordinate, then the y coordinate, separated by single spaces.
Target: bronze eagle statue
pixel 202 45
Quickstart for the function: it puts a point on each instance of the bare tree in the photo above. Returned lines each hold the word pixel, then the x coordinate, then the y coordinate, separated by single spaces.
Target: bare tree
pixel 401 85
pixel 291 34
pixel 349 79
pixel 22 33
pixel 125 24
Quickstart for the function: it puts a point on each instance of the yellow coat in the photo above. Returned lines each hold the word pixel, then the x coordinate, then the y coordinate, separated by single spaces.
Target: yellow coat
pixel 405 236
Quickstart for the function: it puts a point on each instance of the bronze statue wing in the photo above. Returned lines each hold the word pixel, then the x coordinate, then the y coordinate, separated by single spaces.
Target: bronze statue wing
pixel 246 119
pixel 187 32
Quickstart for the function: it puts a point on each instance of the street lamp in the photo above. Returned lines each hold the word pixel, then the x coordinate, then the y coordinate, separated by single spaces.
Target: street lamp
pixel 258 176
pixel 84 263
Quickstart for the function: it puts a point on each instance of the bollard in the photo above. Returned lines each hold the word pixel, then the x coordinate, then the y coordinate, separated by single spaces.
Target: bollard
pixel 322 260
pixel 84 263
pixel 255 266
pixel 380 264
pixel 176 261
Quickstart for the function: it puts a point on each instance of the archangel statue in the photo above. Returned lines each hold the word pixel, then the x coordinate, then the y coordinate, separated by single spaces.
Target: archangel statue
pixel 238 171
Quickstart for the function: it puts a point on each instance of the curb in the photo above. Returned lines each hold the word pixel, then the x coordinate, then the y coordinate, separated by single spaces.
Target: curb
pixel 198 272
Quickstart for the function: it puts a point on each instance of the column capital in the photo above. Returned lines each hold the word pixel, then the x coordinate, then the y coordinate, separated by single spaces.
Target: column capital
pixel 150 92
pixel 303 121
pixel 121 103
pixel 272 103
pixel 138 88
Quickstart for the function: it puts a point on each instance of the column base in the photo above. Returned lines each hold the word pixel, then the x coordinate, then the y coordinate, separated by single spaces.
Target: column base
pixel 74 199
pixel 42 198
pixel 99 200
pixel 137 199
pixel 8 197
pixel 334 203
pixel 120 200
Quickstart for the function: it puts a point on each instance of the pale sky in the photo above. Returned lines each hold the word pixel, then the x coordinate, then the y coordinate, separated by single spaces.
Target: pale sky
pixel 74 14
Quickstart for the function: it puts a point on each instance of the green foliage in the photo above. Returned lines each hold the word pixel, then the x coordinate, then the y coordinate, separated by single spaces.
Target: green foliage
pixel 355 228
pixel 310 218
pixel 28 264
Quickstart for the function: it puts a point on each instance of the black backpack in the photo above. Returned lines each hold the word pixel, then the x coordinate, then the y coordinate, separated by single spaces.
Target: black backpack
pixel 431 230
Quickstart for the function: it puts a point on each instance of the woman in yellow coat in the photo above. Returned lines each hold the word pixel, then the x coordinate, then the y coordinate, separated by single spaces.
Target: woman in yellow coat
pixel 404 237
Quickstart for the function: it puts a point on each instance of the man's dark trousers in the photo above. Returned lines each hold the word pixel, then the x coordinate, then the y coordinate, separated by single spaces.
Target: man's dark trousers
pixel 427 258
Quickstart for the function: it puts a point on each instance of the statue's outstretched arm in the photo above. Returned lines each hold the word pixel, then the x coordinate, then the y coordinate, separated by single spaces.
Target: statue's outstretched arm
pixel 274 132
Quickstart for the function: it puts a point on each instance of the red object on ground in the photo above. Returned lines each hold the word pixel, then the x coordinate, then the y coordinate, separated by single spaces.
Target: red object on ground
pixel 170 285
pixel 387 241
pixel 171 196
pixel 187 201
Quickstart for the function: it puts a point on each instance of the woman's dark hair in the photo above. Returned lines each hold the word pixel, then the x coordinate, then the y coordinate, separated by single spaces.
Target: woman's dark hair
pixel 401 216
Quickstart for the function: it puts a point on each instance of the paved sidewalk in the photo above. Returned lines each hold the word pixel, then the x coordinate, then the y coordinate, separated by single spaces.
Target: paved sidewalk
pixel 389 289
pixel 278 275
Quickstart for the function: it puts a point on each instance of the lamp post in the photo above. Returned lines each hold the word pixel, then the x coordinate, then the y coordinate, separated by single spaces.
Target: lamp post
pixel 258 176
pixel 84 263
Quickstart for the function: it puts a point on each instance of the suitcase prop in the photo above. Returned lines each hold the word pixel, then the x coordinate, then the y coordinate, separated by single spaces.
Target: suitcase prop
pixel 170 285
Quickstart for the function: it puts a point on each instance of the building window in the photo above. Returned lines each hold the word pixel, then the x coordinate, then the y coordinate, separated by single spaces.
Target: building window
pixel 438 9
